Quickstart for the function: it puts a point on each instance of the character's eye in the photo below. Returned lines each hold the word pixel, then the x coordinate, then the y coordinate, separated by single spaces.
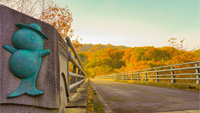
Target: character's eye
pixel 30 38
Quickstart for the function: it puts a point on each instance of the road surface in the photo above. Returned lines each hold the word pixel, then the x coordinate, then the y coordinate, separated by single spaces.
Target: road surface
pixel 134 98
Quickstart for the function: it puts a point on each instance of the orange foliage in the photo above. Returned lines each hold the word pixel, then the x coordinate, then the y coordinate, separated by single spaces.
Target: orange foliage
pixel 61 19
pixel 111 60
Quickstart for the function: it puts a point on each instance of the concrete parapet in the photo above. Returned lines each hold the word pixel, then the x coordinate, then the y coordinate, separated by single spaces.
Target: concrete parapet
pixel 49 79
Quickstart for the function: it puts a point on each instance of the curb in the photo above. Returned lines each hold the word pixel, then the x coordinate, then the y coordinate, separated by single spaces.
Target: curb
pixel 106 107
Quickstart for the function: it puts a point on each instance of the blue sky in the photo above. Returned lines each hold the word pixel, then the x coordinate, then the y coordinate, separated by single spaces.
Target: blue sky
pixel 136 22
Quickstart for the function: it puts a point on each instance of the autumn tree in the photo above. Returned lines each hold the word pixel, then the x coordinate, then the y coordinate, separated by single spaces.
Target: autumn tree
pixel 102 61
pixel 30 7
pixel 61 19
pixel 181 55
pixel 47 11
pixel 174 43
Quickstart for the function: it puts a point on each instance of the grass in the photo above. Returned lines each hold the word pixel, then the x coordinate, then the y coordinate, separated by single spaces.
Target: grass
pixel 194 87
pixel 93 103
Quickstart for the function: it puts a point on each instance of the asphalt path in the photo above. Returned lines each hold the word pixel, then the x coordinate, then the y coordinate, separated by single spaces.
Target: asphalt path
pixel 133 98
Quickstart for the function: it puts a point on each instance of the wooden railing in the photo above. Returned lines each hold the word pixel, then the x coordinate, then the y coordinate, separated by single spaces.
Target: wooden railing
pixel 178 73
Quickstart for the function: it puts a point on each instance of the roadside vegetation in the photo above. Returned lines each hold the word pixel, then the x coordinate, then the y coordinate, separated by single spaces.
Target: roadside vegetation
pixel 93 103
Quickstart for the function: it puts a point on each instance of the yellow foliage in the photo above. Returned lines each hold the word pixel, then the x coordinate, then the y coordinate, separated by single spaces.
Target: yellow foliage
pixel 61 19
pixel 112 60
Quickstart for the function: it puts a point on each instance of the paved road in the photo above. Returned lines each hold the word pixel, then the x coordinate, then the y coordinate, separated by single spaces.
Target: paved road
pixel 134 98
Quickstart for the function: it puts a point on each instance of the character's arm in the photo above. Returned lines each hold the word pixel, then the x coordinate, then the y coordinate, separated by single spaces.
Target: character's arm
pixel 44 52
pixel 10 48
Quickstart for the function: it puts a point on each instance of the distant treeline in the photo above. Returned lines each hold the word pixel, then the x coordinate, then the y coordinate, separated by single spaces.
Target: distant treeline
pixel 106 59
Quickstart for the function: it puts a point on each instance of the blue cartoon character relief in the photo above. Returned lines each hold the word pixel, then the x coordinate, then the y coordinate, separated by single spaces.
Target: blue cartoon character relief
pixel 26 58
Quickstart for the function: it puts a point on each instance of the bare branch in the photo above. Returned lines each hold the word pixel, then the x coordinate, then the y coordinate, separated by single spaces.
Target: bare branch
pixel 33 6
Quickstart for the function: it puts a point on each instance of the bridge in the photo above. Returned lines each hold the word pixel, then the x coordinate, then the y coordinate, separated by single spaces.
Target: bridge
pixel 121 95
pixel 62 91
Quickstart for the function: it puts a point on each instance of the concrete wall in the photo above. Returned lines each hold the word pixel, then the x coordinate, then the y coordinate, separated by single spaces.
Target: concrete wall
pixel 48 80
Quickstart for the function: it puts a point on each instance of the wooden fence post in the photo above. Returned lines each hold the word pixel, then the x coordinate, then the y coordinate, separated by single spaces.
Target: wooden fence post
pixel 173 77
pixel 197 76
pixel 127 76
pixel 146 78
pixel 131 76
pixel 138 76
pixel 157 80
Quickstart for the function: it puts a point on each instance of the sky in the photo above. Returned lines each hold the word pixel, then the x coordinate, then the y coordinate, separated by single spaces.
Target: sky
pixel 136 23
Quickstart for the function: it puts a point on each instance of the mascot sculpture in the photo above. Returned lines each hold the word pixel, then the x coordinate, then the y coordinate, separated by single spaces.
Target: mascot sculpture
pixel 26 58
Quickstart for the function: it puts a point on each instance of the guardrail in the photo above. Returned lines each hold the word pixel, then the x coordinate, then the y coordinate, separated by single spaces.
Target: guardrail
pixel 77 77
pixel 178 73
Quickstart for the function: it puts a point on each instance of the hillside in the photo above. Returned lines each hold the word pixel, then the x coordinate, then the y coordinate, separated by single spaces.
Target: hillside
pixel 95 47
pixel 105 59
